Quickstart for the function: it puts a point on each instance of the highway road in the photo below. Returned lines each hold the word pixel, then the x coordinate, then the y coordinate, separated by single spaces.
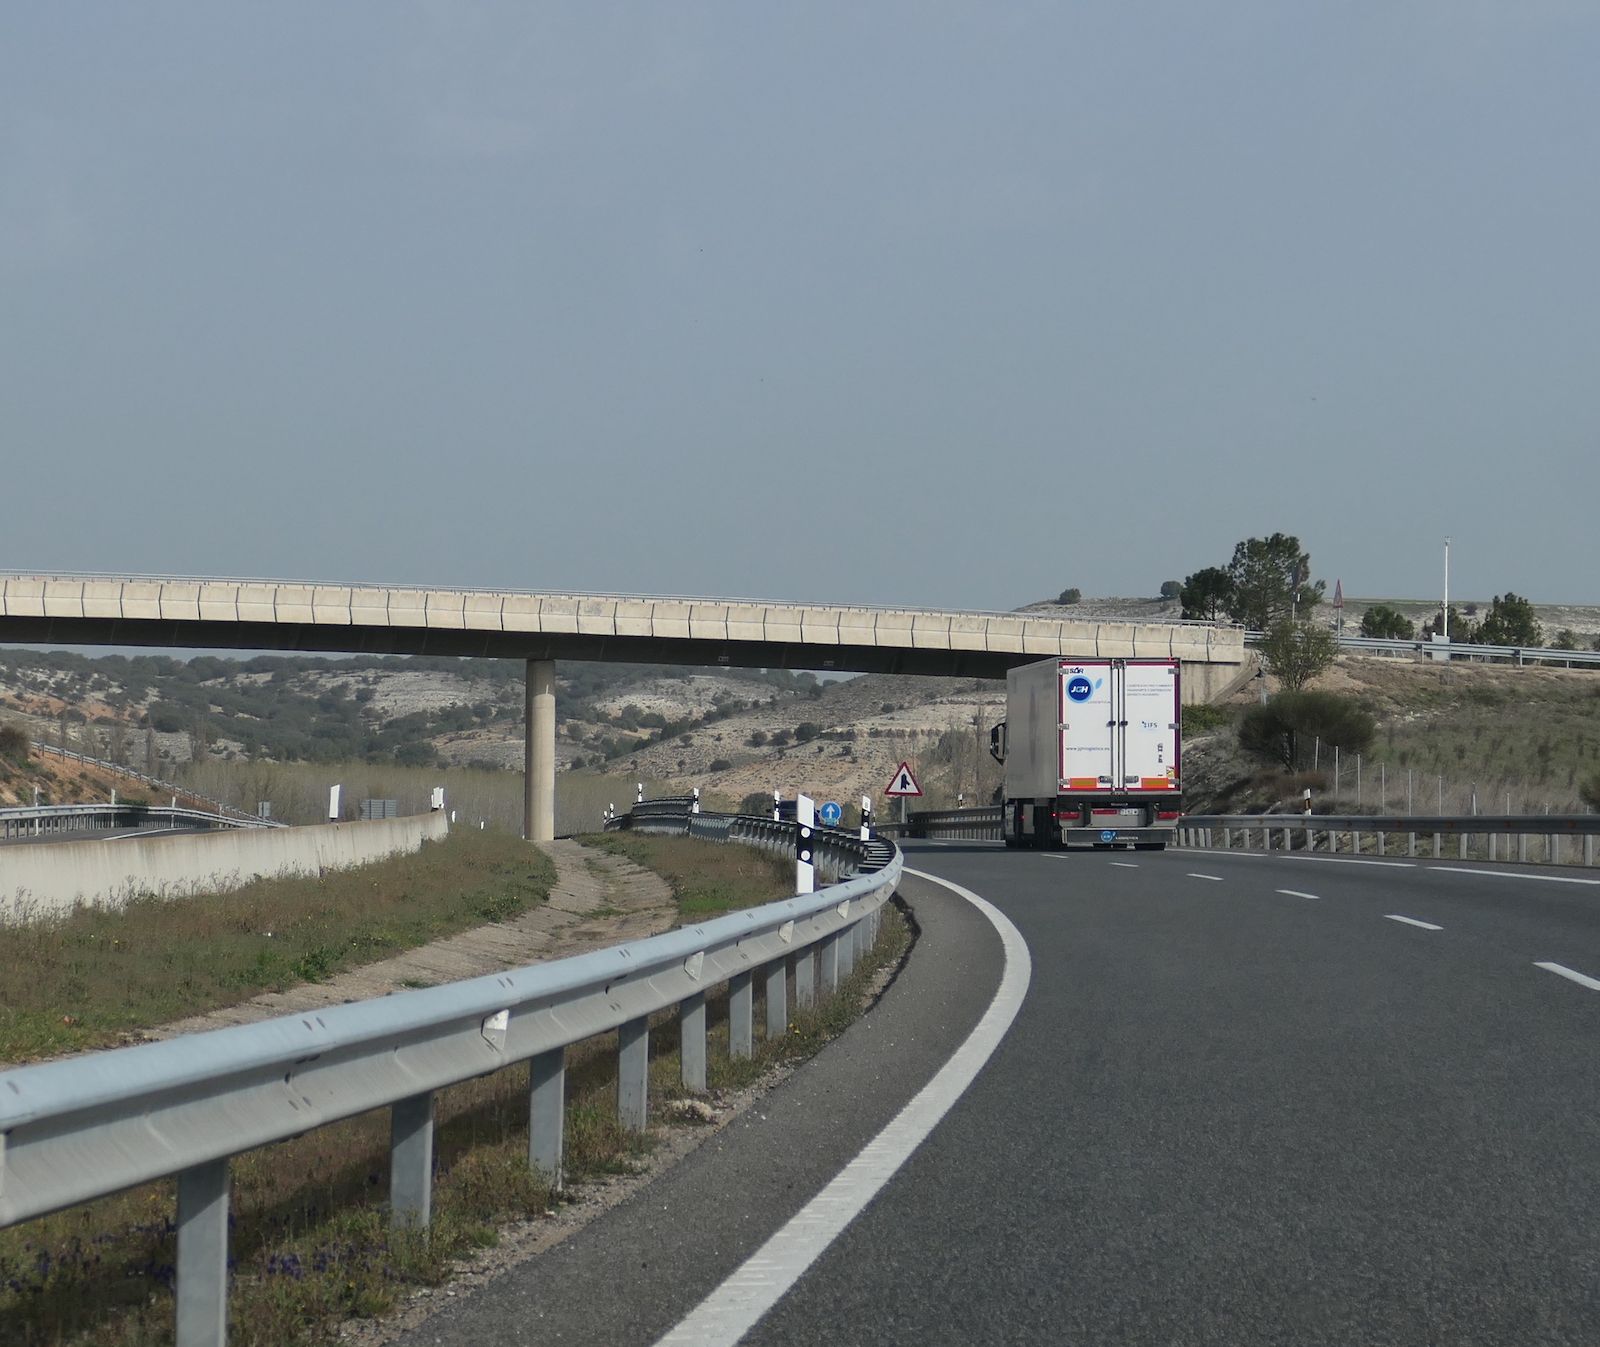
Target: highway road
pixel 1245 1100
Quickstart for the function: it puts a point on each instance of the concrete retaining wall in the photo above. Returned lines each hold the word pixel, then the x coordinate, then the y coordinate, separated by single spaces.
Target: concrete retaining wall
pixel 45 881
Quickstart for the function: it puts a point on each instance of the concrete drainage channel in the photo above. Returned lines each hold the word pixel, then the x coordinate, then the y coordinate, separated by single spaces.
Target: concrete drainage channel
pixel 84 1128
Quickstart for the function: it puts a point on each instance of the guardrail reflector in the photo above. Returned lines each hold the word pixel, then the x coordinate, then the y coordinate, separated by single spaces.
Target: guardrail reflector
pixel 695 964
pixel 494 1028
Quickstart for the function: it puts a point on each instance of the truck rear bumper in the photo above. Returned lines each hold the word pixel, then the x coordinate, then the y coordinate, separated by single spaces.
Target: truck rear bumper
pixel 1120 837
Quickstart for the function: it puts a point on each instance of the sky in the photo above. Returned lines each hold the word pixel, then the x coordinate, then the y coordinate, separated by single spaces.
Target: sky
pixel 932 304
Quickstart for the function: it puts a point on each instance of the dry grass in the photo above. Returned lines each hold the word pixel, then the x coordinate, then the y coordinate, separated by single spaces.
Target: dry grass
pixel 310 1239
pixel 706 879
pixel 85 979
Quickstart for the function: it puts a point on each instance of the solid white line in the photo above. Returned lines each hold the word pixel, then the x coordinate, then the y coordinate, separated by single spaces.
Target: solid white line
pixel 730 1311
pixel 1582 979
pixel 1125 865
pixel 1295 893
pixel 1513 874
pixel 1412 921
pixel 1215 878
pixel 1346 860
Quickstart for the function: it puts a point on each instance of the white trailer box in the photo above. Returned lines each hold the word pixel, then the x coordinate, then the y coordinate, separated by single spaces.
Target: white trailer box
pixel 1091 752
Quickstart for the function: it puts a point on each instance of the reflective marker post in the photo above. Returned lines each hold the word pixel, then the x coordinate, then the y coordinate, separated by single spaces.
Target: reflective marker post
pixel 805 831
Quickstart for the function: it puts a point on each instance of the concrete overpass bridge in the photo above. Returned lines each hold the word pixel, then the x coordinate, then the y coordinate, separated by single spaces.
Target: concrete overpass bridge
pixel 541 628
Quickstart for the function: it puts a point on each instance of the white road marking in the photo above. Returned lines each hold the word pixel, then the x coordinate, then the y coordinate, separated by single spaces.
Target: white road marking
pixel 1346 860
pixel 1295 893
pixel 1513 874
pixel 1412 921
pixel 1125 865
pixel 1582 979
pixel 753 1288
pixel 1215 878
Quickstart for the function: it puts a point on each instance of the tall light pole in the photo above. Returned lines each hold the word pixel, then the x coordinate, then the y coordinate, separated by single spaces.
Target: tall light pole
pixel 1447 591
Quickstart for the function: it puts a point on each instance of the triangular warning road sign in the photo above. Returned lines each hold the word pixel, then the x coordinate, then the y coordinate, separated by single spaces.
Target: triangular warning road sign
pixel 902 782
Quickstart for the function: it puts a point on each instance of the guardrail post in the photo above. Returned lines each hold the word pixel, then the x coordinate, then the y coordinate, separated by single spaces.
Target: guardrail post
pixel 202 1274
pixel 411 1161
pixel 777 998
pixel 1462 847
pixel 1588 848
pixel 1438 845
pixel 547 1108
pixel 1411 844
pixel 1227 839
pixel 692 1041
pixel 740 1006
pixel 1522 847
pixel 633 1074
pixel 847 951
pixel 830 962
pixel 805 978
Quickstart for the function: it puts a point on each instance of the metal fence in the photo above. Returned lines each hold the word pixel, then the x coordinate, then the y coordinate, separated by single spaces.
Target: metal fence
pixel 1509 654
pixel 165 787
pixel 48 819
pixel 1559 838
pixel 89 1126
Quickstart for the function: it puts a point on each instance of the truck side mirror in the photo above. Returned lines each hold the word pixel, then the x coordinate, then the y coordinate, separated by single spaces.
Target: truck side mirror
pixel 997 742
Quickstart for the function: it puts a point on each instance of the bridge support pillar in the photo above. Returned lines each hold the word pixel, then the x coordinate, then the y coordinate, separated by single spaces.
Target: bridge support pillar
pixel 539 753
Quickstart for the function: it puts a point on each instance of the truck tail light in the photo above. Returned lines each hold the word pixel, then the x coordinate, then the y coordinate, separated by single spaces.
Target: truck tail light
pixel 1169 814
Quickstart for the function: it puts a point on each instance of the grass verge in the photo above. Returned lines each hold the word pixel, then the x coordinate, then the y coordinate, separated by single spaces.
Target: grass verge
pixel 87 978
pixel 706 879
pixel 311 1246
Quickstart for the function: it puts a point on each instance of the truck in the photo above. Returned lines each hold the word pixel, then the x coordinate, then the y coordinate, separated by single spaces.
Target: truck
pixel 1091 750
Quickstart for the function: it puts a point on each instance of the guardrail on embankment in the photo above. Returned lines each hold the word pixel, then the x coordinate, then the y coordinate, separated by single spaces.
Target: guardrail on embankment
pixel 1484 836
pixel 980 824
pixel 168 788
pixel 1454 650
pixel 49 819
pixel 90 1126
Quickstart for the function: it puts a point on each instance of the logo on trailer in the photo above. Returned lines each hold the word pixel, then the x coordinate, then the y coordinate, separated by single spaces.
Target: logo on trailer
pixel 1108 835
pixel 1079 688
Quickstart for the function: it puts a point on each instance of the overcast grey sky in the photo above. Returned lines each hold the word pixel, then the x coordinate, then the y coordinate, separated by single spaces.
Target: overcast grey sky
pixel 924 303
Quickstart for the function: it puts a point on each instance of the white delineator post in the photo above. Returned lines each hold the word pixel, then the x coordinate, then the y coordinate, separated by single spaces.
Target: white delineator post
pixel 333 804
pixel 805 837
pixel 695 808
pixel 777 799
pixel 866 818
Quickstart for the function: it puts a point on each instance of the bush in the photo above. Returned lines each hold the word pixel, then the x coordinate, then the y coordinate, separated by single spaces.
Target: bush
pixel 1171 589
pixel 1286 728
pixel 1387 624
pixel 719 765
pixel 14 743
pixel 1204 719
pixel 806 731
pixel 1069 596
pixel 757 738
pixel 757 802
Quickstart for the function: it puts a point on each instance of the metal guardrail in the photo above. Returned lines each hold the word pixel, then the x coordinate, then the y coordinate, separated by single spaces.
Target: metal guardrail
pixel 979 824
pixel 1511 654
pixel 165 787
pixel 1480 833
pixel 38 820
pixel 89 1126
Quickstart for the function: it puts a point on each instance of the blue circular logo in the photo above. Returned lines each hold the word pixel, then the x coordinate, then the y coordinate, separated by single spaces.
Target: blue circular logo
pixel 1079 688
pixel 1108 835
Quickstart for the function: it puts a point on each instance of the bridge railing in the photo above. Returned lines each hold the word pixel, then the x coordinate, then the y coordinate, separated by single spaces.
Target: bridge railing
pixel 165 787
pixel 1560 838
pixel 85 1127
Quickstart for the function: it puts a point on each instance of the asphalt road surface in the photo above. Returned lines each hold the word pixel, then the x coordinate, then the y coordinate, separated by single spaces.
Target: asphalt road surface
pixel 1247 1100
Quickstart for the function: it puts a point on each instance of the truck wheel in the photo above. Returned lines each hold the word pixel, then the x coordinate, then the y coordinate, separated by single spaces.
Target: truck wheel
pixel 1011 843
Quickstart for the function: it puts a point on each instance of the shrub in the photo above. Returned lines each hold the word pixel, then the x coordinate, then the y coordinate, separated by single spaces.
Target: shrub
pixel 1069 596
pixel 719 765
pixel 14 743
pixel 757 738
pixel 757 802
pixel 1387 623
pixel 1171 589
pixel 1204 719
pixel 1286 728
pixel 806 731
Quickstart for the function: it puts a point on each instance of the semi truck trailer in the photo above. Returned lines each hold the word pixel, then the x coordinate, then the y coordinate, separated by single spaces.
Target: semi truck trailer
pixel 1091 750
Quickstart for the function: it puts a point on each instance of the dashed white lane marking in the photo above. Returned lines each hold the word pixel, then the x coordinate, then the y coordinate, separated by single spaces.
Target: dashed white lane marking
pixel 1125 865
pixel 1582 979
pixel 1412 921
pixel 1345 860
pixel 1513 874
pixel 730 1311
pixel 1214 878
pixel 1295 893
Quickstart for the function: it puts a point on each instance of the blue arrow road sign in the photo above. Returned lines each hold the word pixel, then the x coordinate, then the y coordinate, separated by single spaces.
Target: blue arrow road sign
pixel 830 814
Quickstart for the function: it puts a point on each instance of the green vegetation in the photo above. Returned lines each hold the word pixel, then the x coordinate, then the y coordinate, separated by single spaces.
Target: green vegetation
pixel 14 744
pixel 1171 589
pixel 86 979
pixel 1203 719
pixel 1509 621
pixel 1069 596
pixel 1296 652
pixel 1386 623
pixel 1286 729
pixel 1268 579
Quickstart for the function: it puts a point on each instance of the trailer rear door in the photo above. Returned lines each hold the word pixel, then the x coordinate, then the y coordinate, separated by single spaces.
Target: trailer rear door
pixel 1088 732
pixel 1147 694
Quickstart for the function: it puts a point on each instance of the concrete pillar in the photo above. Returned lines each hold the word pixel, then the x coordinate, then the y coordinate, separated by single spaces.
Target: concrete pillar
pixel 539 753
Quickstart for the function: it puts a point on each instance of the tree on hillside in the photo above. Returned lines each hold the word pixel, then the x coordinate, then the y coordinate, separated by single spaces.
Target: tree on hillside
pixel 1296 652
pixel 1067 596
pixel 1387 623
pixel 1207 594
pixel 1172 589
pixel 1510 621
pixel 1566 639
pixel 1271 579
pixel 1462 629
